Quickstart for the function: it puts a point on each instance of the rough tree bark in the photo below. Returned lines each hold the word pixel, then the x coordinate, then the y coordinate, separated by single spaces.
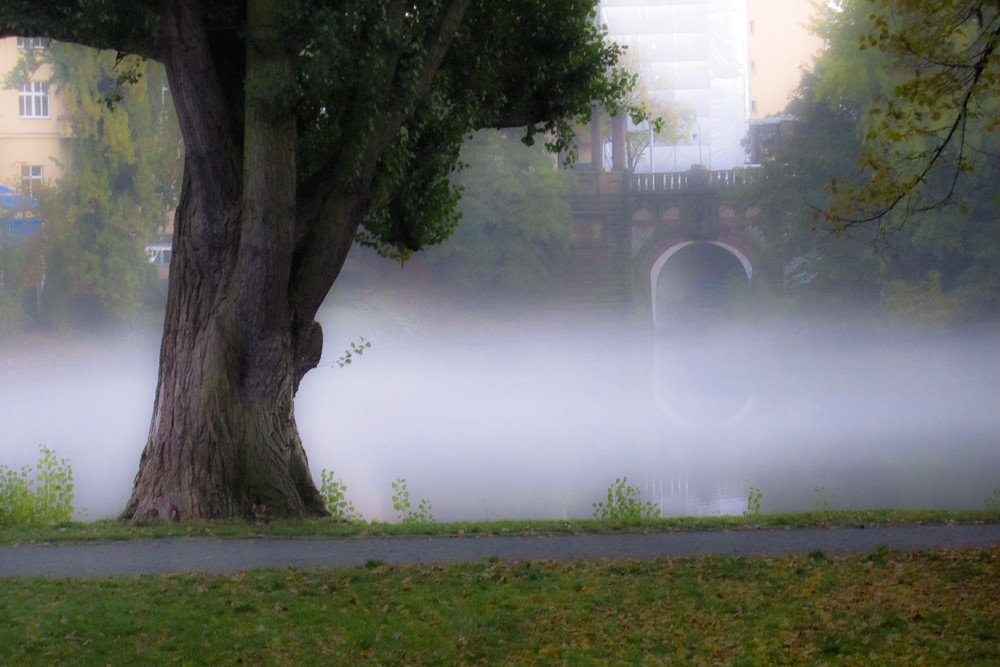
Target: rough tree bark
pixel 228 362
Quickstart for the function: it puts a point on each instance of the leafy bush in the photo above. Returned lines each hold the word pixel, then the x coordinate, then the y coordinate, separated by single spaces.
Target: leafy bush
pixel 11 312
pixel 401 503
pixel 43 498
pixel 625 503
pixel 334 494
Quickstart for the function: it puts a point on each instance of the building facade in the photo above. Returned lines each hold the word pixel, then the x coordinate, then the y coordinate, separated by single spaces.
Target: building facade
pixel 780 45
pixel 722 63
pixel 690 55
pixel 33 132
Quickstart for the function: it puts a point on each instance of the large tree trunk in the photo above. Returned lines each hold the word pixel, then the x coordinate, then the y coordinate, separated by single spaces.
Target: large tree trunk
pixel 255 252
pixel 223 441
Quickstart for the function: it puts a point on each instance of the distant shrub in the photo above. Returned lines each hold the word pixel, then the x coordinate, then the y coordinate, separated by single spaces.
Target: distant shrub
pixel 625 503
pixel 11 312
pixel 992 504
pixel 42 496
pixel 924 302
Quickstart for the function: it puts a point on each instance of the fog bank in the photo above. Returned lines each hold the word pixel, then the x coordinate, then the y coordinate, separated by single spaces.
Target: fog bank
pixel 519 414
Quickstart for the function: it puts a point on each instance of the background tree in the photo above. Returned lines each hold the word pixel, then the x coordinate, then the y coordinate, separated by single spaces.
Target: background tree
pixel 122 184
pixel 667 123
pixel 670 126
pixel 820 268
pixel 305 123
pixel 942 265
pixel 925 77
pixel 515 219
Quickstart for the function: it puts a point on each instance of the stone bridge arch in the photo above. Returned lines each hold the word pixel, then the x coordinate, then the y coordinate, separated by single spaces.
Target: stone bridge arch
pixel 646 227
pixel 698 289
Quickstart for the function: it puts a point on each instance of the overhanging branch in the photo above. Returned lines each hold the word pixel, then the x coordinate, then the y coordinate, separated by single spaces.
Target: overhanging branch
pixel 133 27
pixel 955 132
pixel 331 204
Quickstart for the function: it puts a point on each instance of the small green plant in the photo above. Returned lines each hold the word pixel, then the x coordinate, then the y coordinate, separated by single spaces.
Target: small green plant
pixel 358 348
pixel 400 496
pixel 625 502
pixel 43 498
pixel 753 502
pixel 401 503
pixel 824 502
pixel 334 494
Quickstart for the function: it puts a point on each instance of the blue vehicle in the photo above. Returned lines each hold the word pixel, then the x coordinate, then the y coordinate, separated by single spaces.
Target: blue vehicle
pixel 15 223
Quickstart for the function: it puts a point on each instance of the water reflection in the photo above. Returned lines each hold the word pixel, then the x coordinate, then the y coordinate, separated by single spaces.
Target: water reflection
pixel 541 422
pixel 703 384
pixel 689 497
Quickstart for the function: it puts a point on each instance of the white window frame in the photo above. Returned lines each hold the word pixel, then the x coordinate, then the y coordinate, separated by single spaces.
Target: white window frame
pixel 31 172
pixel 33 100
pixel 31 175
pixel 32 42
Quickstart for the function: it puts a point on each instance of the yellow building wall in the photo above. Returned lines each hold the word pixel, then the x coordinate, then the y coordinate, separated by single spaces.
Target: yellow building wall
pixel 32 142
pixel 780 46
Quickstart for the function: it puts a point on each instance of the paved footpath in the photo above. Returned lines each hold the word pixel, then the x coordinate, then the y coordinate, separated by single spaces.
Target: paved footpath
pixel 168 556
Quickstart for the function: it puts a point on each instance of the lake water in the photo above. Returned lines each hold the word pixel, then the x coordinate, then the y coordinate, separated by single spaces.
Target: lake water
pixel 536 415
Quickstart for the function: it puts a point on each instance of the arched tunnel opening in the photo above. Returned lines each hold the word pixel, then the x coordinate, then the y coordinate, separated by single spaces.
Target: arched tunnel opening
pixel 700 381
pixel 697 283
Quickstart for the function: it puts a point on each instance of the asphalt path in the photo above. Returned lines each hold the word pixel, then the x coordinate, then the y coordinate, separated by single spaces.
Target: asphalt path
pixel 172 556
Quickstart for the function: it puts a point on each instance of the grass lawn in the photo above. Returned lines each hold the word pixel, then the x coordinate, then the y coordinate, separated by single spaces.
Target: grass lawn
pixel 882 608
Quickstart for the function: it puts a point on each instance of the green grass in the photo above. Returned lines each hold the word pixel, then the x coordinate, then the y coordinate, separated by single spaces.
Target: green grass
pixel 111 530
pixel 884 608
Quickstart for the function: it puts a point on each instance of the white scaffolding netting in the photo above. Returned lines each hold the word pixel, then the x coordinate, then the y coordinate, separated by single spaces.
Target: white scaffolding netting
pixel 691 54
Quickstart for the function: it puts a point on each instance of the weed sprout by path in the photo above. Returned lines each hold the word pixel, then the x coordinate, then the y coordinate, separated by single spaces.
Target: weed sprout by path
pixel 753 502
pixel 334 493
pixel 401 503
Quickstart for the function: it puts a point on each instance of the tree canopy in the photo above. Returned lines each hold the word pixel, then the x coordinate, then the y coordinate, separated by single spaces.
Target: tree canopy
pixel 308 124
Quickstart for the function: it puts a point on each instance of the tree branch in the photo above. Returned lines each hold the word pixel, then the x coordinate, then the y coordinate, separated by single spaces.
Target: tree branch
pixel 439 41
pixel 131 28
pixel 329 207
pixel 936 154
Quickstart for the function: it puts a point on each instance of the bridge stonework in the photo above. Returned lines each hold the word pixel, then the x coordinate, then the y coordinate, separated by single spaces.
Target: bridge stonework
pixel 663 245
